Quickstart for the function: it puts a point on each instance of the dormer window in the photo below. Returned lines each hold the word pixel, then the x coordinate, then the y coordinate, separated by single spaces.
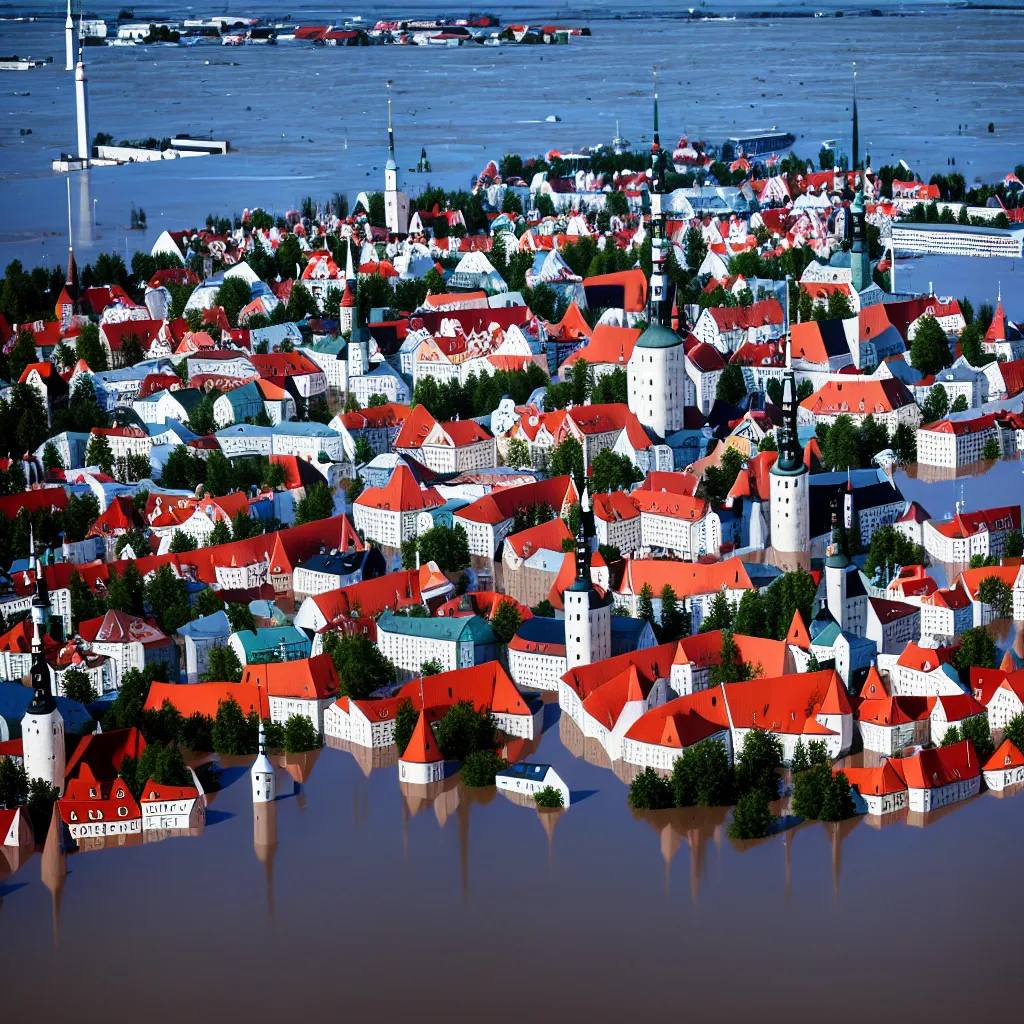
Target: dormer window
pixel 122 811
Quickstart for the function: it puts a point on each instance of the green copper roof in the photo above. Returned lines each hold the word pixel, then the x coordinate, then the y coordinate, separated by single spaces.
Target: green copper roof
pixel 657 336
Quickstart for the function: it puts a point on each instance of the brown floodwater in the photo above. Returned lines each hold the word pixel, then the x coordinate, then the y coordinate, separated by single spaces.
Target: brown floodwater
pixel 350 897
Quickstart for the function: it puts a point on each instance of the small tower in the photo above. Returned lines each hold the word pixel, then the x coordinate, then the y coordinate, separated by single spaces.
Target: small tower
pixel 836 565
pixel 42 728
pixel 790 491
pixel 855 135
pixel 264 782
pixel 82 105
pixel 396 204
pixel 860 257
pixel 346 310
pixel 68 302
pixel 69 41
pixel 588 615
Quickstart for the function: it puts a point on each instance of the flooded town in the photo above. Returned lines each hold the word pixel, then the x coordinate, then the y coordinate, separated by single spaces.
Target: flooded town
pixel 507 486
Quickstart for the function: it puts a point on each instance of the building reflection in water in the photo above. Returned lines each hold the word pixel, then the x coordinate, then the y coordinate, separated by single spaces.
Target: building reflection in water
pixel 54 869
pixel 696 826
pixel 264 844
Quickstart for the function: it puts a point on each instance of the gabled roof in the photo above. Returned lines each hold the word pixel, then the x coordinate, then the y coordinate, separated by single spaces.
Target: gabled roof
pixel 422 747
pixel 205 698
pixel 1005 756
pixel 400 494
pixel 934 768
pixel 546 536
pixel 305 679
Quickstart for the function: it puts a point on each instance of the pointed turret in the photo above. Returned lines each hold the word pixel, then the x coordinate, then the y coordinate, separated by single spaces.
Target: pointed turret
pixel 54 868
pixel 790 494
pixel 421 761
pixel 396 204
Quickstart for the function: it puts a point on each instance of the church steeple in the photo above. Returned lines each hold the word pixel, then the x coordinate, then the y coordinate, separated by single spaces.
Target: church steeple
pixel 660 302
pixel 583 535
pixel 43 701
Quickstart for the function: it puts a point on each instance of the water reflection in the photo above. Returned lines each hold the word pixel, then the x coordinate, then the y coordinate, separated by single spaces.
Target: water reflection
pixel 264 844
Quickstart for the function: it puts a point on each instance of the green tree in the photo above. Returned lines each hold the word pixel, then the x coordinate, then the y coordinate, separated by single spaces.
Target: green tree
pixel 445 545
pixel 506 620
pixel 220 534
pixel 231 730
pixel 22 354
pixel 182 542
pixel 929 351
pixel 549 798
pixel 406 718
pixel 300 735
pixel 809 789
pixel 318 503
pixel 696 249
pixel 675 621
pixel 904 444
pixel 992 449
pixel 220 475
pixel 800 761
pixel 518 454
pixel 98 453
pixel 566 458
pixel 1013 545
pixel 976 729
pixel 702 776
pixel 720 615
pixel 183 470
pixel 431 667
pixel 234 295
pixel 41 798
pixel 480 767
pixel 838 802
pixel 757 767
pixel 51 457
pixel 126 710
pixel 645 605
pixel 167 597
pixel 752 818
pixel 889 548
pixel 731 388
pixel 613 472
pixel 126 593
pixel 13 783
pixel 936 405
pixel 1014 731
pixel 731 667
pixel 840 449
pixel 998 595
pixel 545 609
pixel 361 668
pixel 650 792
pixel 223 666
pixel 750 615
pixel 611 388
pixel 196 733
pixel 839 307
pixel 977 650
pixel 89 347
pixel 464 730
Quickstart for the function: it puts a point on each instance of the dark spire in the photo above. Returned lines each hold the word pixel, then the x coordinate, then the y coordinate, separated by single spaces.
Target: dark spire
pixel 790 458
pixel 43 701
pixel 583 535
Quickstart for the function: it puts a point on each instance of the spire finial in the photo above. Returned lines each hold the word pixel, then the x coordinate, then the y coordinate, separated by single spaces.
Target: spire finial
pixel 391 130
pixel 655 72
pixel 856 133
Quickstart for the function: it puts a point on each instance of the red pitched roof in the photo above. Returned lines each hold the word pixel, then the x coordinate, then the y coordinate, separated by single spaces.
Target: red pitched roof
pixel 400 493
pixel 205 698
pixel 933 768
pixel 422 747
pixel 306 678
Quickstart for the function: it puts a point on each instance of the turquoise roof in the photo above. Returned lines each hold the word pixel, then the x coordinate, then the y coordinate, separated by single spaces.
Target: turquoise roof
pixel 657 336
pixel 452 628
pixel 270 638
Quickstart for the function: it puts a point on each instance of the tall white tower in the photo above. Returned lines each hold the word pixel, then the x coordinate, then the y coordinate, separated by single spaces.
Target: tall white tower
pixel 346 308
pixel 82 107
pixel 264 782
pixel 69 40
pixel 656 372
pixel 396 204
pixel 42 728
pixel 790 489
pixel 588 615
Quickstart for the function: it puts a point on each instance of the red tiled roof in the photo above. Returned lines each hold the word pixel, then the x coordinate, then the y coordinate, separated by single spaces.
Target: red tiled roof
pixel 306 678
pixel 943 766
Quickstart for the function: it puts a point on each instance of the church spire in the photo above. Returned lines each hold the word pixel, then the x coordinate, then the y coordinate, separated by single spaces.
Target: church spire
pixel 43 701
pixel 583 542
pixel 391 164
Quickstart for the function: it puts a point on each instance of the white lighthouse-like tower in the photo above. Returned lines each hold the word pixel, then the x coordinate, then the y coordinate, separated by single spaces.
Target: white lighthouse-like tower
pixel 82 106
pixel 42 728
pixel 790 489
pixel 264 782
pixel 69 41
pixel 588 614
pixel 396 204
